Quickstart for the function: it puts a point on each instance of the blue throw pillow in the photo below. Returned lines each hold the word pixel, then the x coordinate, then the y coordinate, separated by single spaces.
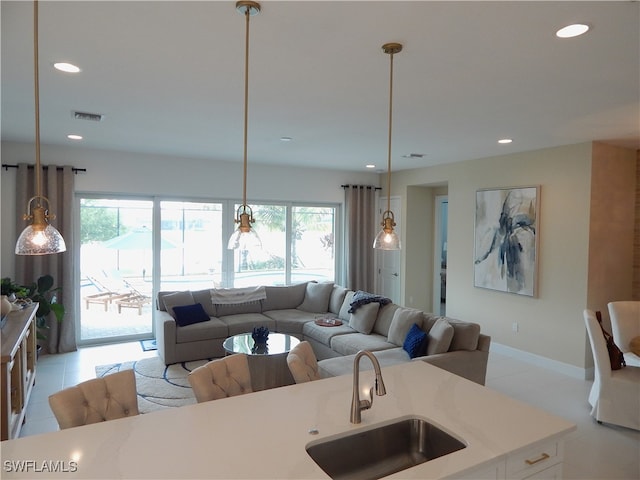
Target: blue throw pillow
pixel 190 314
pixel 415 343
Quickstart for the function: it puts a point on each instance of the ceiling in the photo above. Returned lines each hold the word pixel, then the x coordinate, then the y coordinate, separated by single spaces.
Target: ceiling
pixel 169 77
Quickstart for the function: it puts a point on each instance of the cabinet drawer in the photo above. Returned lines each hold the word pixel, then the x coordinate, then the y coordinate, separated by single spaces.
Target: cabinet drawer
pixel 533 459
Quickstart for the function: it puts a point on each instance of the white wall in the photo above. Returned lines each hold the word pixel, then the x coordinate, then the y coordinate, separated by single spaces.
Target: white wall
pixel 551 325
pixel 133 173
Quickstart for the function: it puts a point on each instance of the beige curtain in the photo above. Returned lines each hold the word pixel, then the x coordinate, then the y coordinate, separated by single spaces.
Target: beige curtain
pixel 360 207
pixel 58 187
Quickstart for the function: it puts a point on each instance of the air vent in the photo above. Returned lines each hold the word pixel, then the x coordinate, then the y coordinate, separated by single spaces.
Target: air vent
pixel 413 155
pixel 94 117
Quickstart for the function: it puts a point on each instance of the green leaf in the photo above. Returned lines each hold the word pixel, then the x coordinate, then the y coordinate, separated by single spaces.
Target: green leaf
pixel 45 283
pixel 58 311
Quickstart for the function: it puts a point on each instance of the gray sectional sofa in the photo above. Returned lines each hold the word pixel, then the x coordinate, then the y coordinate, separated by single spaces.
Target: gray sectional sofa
pixel 451 344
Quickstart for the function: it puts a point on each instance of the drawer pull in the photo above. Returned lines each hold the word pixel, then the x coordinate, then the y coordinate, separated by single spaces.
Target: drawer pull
pixel 542 457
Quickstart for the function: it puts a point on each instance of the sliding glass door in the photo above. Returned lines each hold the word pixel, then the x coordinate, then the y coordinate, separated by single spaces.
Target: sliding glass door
pixel 116 269
pixel 191 245
pixel 131 248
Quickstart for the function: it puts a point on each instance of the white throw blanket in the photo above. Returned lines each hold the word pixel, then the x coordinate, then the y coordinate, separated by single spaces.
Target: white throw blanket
pixel 238 295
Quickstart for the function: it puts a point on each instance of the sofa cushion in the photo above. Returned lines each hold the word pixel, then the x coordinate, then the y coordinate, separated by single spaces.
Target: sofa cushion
pixel 203 297
pixel 209 330
pixel 324 335
pixel 440 337
pixel 415 343
pixel 177 299
pixel 284 297
pixel 332 367
pixel 385 317
pixel 363 319
pixel 465 335
pixel 428 321
pixel 337 298
pixel 290 320
pixel 344 314
pixel 226 309
pixel 245 322
pixel 402 323
pixel 190 314
pixel 354 342
pixel 316 297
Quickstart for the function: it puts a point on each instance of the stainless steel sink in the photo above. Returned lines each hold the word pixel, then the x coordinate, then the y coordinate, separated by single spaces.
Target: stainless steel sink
pixel 383 450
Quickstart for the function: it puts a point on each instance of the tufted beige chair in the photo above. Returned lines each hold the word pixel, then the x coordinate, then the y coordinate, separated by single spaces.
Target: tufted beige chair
pixel 97 400
pixel 302 363
pixel 220 378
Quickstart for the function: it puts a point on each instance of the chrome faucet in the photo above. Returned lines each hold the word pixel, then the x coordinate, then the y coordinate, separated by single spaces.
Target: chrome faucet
pixel 358 405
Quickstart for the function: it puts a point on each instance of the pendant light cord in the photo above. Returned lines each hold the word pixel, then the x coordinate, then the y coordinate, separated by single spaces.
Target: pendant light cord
pixel 390 122
pixel 246 103
pixel 36 82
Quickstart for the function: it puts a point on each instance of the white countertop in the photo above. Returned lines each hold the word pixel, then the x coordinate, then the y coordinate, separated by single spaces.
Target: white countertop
pixel 263 434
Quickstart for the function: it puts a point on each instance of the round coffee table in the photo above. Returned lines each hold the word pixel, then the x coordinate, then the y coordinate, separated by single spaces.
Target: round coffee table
pixel 268 365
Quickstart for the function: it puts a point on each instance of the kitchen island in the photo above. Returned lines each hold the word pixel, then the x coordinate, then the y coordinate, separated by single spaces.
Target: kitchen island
pixel 264 434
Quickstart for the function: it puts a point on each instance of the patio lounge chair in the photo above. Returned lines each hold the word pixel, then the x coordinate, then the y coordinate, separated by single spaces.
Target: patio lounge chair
pixel 105 296
pixel 134 299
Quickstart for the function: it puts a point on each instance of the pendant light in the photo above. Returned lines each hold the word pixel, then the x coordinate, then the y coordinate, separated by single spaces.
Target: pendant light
pixel 40 237
pixel 244 237
pixel 387 238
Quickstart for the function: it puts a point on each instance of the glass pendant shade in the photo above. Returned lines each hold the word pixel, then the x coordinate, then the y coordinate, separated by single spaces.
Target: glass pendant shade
pixel 387 239
pixel 244 237
pixel 39 238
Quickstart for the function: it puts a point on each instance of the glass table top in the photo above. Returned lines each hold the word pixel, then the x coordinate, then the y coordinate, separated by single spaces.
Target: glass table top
pixel 277 343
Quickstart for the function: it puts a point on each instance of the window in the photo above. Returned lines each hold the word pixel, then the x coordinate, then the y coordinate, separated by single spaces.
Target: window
pixel 306 253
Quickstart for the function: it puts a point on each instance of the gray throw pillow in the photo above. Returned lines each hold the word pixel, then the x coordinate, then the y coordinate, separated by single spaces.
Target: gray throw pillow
pixel 316 298
pixel 177 299
pixel 344 314
pixel 403 320
pixel 364 317
pixel 440 337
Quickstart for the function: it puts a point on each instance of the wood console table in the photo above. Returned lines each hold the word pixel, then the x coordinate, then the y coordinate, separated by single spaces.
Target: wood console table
pixel 18 368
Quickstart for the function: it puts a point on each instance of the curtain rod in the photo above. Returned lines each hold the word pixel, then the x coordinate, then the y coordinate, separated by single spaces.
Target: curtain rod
pixel 6 166
pixel 361 186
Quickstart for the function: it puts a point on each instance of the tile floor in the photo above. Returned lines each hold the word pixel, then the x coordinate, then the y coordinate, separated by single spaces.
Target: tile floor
pixel 593 451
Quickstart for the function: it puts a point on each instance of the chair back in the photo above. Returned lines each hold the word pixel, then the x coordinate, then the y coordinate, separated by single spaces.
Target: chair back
pixel 97 400
pixel 303 363
pixel 598 344
pixel 625 323
pixel 221 378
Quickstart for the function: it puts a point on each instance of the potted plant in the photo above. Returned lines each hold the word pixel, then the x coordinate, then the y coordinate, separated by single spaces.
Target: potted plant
pixel 43 292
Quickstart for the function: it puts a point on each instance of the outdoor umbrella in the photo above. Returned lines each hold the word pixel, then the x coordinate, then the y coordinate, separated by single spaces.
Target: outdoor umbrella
pixel 139 239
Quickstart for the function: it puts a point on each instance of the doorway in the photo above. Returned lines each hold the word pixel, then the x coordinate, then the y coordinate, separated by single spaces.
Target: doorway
pixel 440 254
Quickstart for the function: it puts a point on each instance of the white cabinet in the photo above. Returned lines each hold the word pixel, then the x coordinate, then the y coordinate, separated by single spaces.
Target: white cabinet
pixel 541 461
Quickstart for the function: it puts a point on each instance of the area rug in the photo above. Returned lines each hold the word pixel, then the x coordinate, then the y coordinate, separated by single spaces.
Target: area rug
pixel 159 386
pixel 148 345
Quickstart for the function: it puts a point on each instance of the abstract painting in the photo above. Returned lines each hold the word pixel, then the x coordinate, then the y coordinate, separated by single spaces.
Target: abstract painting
pixel 506 240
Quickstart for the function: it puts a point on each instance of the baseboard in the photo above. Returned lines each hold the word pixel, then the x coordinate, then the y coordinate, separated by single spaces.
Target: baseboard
pixel 540 361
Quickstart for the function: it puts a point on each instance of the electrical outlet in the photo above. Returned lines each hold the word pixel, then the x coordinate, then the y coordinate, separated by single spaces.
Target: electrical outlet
pixel 515 327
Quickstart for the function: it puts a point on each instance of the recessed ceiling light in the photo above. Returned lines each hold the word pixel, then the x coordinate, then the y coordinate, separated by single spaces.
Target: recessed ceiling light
pixel 285 139
pixel 505 140
pixel 370 166
pixel 66 67
pixel 573 30
pixel 73 136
